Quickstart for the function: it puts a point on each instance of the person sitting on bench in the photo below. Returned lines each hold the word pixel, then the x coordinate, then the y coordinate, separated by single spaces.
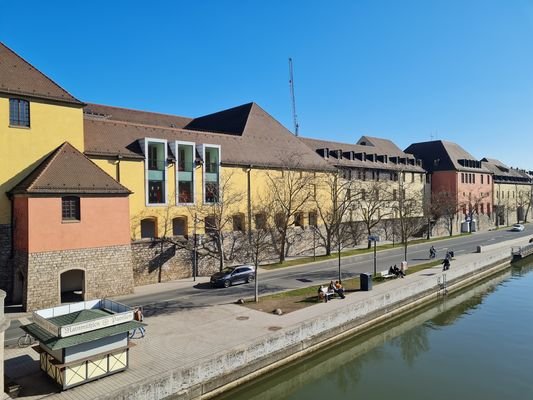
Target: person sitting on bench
pixel 323 293
pixel 339 289
pixel 397 271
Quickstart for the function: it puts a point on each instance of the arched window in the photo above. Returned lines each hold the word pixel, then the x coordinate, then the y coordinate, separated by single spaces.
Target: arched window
pixel 238 223
pixel 210 223
pixel 148 228
pixel 260 221
pixel 179 226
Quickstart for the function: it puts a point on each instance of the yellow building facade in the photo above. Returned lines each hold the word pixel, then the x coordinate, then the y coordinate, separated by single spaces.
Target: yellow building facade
pixel 23 147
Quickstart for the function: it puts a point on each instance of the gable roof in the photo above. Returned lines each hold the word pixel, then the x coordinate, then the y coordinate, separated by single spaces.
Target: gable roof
pixel 18 77
pixel 67 171
pixel 440 155
pixel 231 121
pixel 247 136
pixel 379 147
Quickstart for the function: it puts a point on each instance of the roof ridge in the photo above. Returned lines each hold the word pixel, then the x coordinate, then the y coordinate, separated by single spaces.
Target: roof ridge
pixel 74 99
pixel 48 161
pixel 113 121
pixel 96 165
pixel 136 110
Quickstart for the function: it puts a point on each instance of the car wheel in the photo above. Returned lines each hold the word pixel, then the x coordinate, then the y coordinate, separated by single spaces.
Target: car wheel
pixel 250 278
pixel 227 283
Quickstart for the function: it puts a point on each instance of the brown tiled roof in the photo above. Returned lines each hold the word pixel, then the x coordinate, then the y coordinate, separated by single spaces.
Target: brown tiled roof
pixel 389 149
pixel 502 173
pixel 440 155
pixel 101 112
pixel 383 146
pixel 67 171
pixel 260 141
pixel 18 77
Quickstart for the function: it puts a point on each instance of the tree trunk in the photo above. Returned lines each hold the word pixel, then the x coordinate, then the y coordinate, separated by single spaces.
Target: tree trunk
pixel 282 246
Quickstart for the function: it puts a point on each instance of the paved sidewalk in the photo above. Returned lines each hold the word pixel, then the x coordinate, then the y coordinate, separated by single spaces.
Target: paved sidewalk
pixel 186 338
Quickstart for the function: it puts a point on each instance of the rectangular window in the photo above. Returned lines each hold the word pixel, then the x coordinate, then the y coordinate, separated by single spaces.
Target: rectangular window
pixel 363 194
pixel 186 154
pixel 482 179
pixel 313 218
pixel 19 112
pixel 156 177
pixel 462 177
pixel 299 219
pixel 260 221
pixel 473 178
pixel 394 194
pixel 412 177
pixel 70 208
pixel 488 179
pixel 211 157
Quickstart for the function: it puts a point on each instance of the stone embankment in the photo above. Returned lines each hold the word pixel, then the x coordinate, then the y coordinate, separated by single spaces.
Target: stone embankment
pixel 197 353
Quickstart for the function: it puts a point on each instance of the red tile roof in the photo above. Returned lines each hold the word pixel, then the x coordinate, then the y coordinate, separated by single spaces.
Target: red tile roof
pixel 67 171
pixel 18 77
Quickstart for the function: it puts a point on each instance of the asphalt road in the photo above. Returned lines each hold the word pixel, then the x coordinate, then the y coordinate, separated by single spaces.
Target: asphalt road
pixel 202 295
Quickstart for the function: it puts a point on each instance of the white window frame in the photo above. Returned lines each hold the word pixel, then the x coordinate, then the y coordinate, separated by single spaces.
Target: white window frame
pixel 203 147
pixel 146 141
pixel 176 172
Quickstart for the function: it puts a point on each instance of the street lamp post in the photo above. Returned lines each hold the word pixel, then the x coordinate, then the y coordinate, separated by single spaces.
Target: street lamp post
pixel 374 238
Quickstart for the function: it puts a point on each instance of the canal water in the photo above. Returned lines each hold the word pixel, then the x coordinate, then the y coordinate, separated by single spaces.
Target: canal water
pixel 475 344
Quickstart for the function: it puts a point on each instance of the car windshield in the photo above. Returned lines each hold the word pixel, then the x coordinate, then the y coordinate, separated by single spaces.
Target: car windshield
pixel 228 270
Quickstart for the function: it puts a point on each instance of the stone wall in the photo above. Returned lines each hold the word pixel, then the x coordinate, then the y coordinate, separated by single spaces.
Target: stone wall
pixel 108 272
pixel 6 272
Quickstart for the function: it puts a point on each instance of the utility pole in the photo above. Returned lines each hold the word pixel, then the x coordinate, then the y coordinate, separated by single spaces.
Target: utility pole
pixel 293 98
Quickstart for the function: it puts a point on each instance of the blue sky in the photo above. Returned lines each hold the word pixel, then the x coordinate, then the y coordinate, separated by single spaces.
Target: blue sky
pixel 405 70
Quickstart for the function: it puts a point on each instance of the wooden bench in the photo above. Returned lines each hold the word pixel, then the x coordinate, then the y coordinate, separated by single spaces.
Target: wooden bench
pixel 328 295
pixel 385 274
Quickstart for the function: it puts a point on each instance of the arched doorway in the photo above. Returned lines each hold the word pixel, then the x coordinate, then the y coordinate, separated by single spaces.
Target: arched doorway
pixel 72 286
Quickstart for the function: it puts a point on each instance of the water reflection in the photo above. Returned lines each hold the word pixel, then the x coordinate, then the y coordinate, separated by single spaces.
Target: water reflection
pixel 342 367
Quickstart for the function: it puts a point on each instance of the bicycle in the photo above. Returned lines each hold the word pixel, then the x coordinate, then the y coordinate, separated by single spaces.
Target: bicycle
pixel 26 340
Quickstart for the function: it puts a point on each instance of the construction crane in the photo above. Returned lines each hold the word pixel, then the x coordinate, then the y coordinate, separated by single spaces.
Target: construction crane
pixel 293 99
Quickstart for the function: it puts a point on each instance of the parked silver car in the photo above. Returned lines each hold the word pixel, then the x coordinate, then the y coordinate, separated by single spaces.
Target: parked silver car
pixel 231 275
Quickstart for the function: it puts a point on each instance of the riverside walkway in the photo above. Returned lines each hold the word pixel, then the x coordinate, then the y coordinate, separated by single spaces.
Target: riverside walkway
pixel 190 352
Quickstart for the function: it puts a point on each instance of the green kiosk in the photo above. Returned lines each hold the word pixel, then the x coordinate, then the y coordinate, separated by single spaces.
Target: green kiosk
pixel 84 341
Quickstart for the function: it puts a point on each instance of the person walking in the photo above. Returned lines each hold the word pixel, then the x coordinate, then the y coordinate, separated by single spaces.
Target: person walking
pixel 138 316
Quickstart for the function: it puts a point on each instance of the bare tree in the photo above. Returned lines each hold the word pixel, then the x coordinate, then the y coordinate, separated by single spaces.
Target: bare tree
pixel 333 201
pixel 218 216
pixel 289 190
pixel 372 207
pixel 473 205
pixel 445 205
pixel 409 211
pixel 258 247
pixel 523 202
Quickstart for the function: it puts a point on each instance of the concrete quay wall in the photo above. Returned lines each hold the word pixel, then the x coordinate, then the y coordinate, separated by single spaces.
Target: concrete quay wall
pixel 311 330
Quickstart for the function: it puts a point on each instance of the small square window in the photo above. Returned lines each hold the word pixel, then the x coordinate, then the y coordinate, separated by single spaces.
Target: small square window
pixel 70 207
pixel 19 112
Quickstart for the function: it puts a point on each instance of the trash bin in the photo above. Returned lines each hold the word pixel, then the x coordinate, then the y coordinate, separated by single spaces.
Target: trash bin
pixel 366 282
